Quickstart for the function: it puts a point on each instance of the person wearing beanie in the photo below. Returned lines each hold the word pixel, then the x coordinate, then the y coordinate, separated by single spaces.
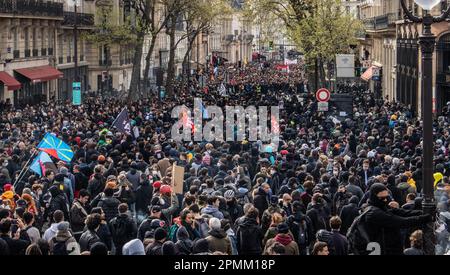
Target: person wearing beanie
pixel 384 220
pixel 201 247
pixel 133 247
pixel 64 243
pixel 169 249
pixel 218 239
pixel 155 248
pixel 285 238
pixel 99 249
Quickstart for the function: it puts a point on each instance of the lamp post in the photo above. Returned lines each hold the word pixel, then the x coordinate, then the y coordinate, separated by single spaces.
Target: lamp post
pixel 427 41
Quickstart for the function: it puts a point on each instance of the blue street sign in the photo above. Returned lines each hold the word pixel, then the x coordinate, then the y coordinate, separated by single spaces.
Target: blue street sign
pixel 76 93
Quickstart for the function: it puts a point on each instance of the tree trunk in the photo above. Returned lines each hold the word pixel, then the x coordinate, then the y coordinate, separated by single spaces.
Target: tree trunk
pixel 149 58
pixel 171 65
pixel 316 74
pixel 135 84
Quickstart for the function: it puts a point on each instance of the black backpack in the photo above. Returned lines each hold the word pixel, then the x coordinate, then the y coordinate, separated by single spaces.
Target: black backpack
pixel 357 235
pixel 59 247
pixel 120 230
pixel 302 233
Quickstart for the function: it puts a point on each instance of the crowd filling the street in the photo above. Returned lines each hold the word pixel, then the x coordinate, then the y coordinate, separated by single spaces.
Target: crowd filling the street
pixel 73 182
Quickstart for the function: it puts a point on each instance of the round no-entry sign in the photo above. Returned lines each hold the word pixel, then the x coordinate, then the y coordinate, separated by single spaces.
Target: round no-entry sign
pixel 323 95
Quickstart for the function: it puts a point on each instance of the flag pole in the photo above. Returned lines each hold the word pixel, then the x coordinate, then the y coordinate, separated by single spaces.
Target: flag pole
pixel 22 173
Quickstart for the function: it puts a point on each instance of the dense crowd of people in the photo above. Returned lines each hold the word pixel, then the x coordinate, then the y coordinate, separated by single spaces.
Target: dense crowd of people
pixel 307 198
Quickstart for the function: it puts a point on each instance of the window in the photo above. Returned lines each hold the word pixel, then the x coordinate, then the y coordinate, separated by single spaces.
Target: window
pixel 61 48
pixel 34 38
pixel 15 39
pixel 27 41
pixel 42 38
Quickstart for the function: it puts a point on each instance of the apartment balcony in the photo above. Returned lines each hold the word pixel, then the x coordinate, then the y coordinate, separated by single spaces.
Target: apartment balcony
pixel 31 8
pixel 229 38
pixel 381 22
pixel 83 19
pixel 104 62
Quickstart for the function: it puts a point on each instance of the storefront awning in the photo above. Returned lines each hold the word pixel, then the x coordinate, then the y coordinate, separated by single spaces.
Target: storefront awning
pixel 9 81
pixel 40 74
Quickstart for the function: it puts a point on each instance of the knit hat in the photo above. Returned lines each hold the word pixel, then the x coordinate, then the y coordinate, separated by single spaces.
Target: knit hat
pixel 157 184
pixel 200 246
pixel 377 188
pixel 7 187
pixel 283 228
pixel 229 194
pixel 274 200
pixel 156 223
pixel 169 248
pixel 63 226
pixel 165 189
pixel 99 249
pixel 160 234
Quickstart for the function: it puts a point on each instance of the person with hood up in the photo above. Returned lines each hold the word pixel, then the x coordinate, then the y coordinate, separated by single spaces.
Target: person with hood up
pixel 218 239
pixel 201 247
pixel 154 248
pixel 143 197
pixel 57 202
pixel 184 243
pixel 384 220
pixel 133 248
pixel 285 238
pixel 97 182
pixel 348 214
pixel 213 208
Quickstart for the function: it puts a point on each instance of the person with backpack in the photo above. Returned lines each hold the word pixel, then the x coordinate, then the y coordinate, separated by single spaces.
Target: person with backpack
pixel 123 228
pixel 79 213
pixel 109 204
pixel 285 238
pixel 301 228
pixel 249 234
pixel 64 243
pixel 274 207
pixel 381 223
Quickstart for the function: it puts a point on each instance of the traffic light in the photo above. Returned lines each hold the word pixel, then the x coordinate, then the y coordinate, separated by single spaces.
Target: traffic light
pixel 270 45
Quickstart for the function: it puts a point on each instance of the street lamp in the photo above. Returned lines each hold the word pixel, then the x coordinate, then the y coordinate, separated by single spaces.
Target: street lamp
pixel 427 41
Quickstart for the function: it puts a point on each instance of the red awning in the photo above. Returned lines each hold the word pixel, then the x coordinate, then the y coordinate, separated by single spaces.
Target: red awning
pixel 9 81
pixel 40 74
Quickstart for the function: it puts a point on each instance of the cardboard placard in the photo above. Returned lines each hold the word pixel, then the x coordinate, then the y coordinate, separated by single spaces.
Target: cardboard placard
pixel 177 179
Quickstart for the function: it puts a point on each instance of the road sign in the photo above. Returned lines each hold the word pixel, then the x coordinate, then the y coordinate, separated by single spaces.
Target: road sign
pixel 76 93
pixel 323 95
pixel 322 106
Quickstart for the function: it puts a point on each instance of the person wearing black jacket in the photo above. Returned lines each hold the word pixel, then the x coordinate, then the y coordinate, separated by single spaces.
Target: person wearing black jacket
pixel 57 202
pixel 384 220
pixel 249 234
pixel 317 213
pixel 261 200
pixel 155 213
pixel 97 182
pixel 338 244
pixel 348 214
pixel 109 204
pixel 301 228
pixel 90 236
pixel 123 228
pixel 143 197
pixel 16 243
pixel 81 181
